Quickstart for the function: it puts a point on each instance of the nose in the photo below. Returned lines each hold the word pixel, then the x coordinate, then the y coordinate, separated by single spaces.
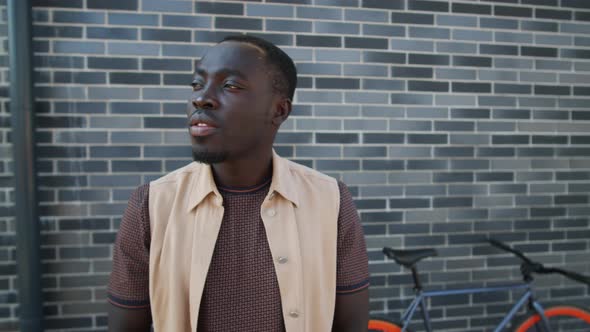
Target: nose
pixel 204 100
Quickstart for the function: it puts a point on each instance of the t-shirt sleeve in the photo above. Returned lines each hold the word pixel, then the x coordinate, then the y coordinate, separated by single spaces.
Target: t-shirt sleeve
pixel 129 281
pixel 352 267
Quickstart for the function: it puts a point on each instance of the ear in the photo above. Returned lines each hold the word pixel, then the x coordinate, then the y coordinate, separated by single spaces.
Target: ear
pixel 281 111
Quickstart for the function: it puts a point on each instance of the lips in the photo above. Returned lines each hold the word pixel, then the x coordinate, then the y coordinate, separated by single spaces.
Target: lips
pixel 200 126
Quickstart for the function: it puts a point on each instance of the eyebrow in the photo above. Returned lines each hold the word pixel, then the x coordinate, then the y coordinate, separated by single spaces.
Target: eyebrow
pixel 222 71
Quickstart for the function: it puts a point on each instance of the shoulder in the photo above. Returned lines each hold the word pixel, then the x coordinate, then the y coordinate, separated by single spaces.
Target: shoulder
pixel 140 193
pixel 308 174
pixel 177 176
pixel 138 199
pixel 348 214
pixel 343 188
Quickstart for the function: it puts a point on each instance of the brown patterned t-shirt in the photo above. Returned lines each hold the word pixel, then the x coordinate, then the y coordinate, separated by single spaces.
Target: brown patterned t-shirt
pixel 241 289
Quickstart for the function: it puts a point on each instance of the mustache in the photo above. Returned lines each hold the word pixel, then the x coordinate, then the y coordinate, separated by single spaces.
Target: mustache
pixel 202 115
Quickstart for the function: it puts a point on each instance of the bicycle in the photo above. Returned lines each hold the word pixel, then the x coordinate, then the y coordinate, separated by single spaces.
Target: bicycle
pixel 537 319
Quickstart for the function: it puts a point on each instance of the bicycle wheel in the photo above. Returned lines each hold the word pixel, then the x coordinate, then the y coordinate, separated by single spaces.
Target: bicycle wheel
pixel 561 318
pixel 384 325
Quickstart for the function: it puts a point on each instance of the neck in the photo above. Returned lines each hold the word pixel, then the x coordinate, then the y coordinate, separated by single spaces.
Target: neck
pixel 244 172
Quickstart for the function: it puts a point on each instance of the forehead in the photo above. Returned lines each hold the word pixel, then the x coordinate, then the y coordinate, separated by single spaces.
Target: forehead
pixel 238 56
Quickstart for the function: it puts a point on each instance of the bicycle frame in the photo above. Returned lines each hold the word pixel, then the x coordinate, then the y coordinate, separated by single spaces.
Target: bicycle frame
pixel 528 296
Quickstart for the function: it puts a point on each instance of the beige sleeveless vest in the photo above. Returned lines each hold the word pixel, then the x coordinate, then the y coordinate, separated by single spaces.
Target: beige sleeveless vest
pixel 300 215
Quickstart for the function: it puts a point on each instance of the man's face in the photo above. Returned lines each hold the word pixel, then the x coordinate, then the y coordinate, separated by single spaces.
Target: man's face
pixel 231 107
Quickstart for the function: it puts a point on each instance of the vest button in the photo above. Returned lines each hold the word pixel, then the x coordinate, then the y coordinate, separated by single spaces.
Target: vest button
pixel 294 314
pixel 282 260
pixel 271 213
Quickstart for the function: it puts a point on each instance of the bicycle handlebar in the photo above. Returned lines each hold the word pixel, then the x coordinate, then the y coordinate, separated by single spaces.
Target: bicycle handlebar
pixel 505 247
pixel 569 274
pixel 530 266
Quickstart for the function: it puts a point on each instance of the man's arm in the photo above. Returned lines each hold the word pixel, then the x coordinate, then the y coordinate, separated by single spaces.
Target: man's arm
pixel 132 320
pixel 352 312
pixel 128 290
pixel 352 283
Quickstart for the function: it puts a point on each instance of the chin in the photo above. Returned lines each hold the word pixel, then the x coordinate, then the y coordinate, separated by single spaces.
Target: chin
pixel 208 157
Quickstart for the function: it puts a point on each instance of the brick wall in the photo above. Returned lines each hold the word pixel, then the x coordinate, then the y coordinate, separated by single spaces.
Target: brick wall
pixel 449 120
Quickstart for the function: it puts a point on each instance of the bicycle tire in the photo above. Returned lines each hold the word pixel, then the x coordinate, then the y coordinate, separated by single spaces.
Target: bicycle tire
pixel 378 324
pixel 564 311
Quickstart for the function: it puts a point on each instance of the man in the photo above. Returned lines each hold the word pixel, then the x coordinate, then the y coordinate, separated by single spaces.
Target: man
pixel 241 239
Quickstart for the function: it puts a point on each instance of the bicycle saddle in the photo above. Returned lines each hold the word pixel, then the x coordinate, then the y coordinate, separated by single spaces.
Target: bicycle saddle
pixel 408 258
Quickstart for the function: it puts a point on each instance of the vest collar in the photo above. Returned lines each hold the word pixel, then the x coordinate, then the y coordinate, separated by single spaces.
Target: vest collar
pixel 282 179
pixel 203 184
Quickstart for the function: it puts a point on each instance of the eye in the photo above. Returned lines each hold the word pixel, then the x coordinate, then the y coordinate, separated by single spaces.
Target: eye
pixel 232 86
pixel 196 86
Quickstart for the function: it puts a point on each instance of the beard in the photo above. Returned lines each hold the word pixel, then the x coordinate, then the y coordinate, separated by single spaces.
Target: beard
pixel 208 157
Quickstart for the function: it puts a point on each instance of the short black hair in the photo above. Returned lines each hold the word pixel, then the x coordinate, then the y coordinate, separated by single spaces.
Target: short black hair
pixel 284 73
